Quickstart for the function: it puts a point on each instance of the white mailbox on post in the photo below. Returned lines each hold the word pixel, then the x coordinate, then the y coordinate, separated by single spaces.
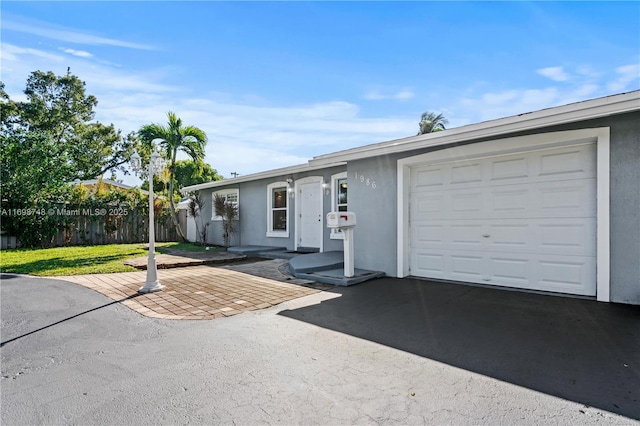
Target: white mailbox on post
pixel 341 220
pixel 345 221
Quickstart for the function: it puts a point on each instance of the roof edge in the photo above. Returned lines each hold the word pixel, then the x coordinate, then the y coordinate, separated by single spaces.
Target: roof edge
pixel 300 168
pixel 578 111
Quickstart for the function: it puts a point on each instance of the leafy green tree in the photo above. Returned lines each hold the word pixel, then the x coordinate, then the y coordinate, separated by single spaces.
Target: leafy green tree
pixel 101 149
pixel 8 108
pixel 192 173
pixel 59 107
pixel 188 172
pixel 175 138
pixel 32 180
pixel 47 141
pixel 431 122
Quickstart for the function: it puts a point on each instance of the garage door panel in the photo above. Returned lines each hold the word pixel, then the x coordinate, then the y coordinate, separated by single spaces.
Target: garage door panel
pixel 467 266
pixel 465 203
pixel 428 177
pixel 509 201
pixel 573 161
pixel 433 205
pixel 430 235
pixel 565 274
pixel 567 198
pixel 548 199
pixel 571 237
pixel 466 173
pixel 504 236
pixel 570 274
pixel 524 220
pixel 509 269
pixel 514 167
pixel 445 236
pixel 541 200
pixel 575 237
pixel 429 264
pixel 576 162
pixel 442 235
pixel 465 236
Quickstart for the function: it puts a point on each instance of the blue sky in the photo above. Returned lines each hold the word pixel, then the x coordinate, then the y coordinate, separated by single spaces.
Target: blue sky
pixel 276 83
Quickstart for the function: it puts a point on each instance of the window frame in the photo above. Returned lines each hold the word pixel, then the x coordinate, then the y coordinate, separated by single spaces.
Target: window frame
pixel 270 209
pixel 337 234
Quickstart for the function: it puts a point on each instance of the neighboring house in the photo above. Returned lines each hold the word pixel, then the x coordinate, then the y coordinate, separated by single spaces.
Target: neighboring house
pixel 92 184
pixel 187 221
pixel 547 200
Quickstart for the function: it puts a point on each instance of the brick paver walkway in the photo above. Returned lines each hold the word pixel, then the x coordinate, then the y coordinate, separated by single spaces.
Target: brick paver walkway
pixel 201 292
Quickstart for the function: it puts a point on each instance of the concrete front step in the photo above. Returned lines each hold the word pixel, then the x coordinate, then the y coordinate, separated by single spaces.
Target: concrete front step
pixel 254 251
pixel 270 252
pixel 278 254
pixel 336 276
pixel 316 262
pixel 328 268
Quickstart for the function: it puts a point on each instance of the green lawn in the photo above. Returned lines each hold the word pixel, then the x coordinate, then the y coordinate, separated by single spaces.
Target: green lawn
pixel 81 259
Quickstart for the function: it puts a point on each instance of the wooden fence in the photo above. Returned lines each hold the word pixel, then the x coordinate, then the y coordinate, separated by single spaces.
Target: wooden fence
pixel 107 229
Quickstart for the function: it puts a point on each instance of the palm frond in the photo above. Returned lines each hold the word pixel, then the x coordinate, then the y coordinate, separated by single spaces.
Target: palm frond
pixel 431 122
pixel 219 203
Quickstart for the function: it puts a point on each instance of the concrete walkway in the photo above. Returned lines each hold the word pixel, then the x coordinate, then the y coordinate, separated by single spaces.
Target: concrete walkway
pixel 203 292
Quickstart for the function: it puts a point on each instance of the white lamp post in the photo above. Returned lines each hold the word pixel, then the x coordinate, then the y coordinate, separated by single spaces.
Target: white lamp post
pixel 155 167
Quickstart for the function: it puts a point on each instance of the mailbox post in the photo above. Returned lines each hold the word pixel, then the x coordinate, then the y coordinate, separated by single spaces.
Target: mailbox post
pixel 344 221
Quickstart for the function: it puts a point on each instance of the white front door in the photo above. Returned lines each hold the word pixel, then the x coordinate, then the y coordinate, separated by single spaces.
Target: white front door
pixel 524 220
pixel 309 213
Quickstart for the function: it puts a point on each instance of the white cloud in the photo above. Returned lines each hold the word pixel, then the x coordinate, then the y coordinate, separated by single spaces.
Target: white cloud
pixel 500 98
pixel 11 53
pixel 15 66
pixel 627 75
pixel 247 133
pixel 587 71
pixel 405 94
pixel 282 135
pixel 44 29
pixel 586 90
pixel 377 95
pixel 374 96
pixel 80 53
pixel 18 63
pixel 554 73
pixel 493 105
pixel 586 83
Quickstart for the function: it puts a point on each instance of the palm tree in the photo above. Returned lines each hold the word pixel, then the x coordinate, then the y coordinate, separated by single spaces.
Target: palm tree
pixel 188 139
pixel 430 122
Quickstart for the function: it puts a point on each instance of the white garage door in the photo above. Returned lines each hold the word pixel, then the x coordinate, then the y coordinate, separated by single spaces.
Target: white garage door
pixel 523 220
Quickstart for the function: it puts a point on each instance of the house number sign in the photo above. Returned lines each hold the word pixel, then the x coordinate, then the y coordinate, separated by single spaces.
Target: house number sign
pixel 365 180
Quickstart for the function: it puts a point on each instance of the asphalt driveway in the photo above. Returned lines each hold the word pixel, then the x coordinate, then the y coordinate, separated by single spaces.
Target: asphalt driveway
pixel 581 350
pixel 376 353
